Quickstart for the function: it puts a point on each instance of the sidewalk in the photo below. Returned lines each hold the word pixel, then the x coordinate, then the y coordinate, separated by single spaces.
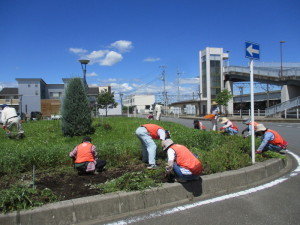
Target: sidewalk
pixel 100 208
pixel 239 119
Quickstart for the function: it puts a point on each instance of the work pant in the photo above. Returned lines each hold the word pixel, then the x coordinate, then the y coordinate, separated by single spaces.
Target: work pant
pixel 148 145
pixel 15 121
pixel 273 148
pixel 230 131
pixel 158 114
pixel 178 173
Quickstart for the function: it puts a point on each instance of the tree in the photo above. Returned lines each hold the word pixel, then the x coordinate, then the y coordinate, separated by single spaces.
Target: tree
pixel 75 110
pixel 223 98
pixel 106 100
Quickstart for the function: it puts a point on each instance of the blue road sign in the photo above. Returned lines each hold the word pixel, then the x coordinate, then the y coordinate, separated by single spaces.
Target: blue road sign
pixel 252 50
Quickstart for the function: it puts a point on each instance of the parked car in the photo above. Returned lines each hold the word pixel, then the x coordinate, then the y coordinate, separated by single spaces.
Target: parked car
pixel 35 115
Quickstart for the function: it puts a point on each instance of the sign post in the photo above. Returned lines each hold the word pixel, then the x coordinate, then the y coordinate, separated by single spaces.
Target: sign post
pixel 253 53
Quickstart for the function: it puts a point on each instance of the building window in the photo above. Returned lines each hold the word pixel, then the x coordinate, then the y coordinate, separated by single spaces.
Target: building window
pixel 28 85
pixel 147 106
pixel 55 94
pixel 36 85
pixel 36 92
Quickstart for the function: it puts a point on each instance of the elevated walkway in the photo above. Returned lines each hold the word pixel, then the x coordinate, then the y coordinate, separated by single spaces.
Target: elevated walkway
pixel 290 76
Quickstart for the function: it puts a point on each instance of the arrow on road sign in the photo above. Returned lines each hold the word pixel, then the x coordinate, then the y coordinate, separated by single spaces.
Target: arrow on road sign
pixel 251 50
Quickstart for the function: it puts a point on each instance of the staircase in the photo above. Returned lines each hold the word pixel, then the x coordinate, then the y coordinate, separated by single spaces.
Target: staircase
pixel 279 108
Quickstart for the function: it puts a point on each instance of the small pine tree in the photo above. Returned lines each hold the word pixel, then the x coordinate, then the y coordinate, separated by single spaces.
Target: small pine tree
pixel 75 111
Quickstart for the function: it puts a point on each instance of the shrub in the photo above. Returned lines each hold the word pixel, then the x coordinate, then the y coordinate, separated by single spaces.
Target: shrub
pixel 135 181
pixel 18 197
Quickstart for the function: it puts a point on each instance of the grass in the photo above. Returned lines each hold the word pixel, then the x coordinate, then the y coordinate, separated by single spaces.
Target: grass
pixel 45 147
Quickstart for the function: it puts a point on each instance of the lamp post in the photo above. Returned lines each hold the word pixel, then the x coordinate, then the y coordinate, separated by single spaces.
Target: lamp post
pixel 121 96
pixel 83 63
pixel 281 42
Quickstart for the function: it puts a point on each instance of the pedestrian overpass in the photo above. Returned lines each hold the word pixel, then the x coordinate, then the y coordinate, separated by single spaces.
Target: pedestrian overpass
pixel 289 80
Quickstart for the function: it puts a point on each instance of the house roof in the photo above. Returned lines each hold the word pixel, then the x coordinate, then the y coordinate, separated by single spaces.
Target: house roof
pixel 9 91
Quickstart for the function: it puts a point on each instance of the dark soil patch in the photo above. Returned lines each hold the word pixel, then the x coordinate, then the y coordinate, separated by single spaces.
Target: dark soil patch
pixel 71 185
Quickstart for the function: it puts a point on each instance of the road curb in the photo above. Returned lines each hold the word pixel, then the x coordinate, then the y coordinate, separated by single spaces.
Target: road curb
pixel 113 205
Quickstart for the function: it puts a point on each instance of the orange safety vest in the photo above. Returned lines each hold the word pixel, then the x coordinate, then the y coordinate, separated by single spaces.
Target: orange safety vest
pixel 84 153
pixel 255 124
pixel 152 129
pixel 186 159
pixel 234 126
pixel 278 140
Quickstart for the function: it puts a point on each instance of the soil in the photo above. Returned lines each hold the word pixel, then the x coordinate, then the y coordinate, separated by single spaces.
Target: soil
pixel 71 185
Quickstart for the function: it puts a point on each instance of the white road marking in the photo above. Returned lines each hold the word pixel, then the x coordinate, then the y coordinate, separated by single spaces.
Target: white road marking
pixel 213 200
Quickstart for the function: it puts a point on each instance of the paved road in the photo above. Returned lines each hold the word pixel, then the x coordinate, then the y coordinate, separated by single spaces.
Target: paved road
pixel 279 204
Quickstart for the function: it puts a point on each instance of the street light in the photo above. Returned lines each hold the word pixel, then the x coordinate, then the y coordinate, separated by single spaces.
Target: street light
pixel 281 42
pixel 83 63
pixel 121 96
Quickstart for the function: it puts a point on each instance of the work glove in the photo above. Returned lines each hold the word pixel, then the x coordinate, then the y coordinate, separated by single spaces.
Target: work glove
pixel 3 127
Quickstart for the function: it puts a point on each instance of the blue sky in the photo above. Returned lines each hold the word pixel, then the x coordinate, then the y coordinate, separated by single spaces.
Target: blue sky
pixel 128 40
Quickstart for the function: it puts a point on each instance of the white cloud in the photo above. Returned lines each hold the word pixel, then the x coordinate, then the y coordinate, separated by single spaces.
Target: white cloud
pixel 78 50
pixel 124 87
pixel 111 58
pixel 151 59
pixel 92 74
pixel 122 45
pixel 94 55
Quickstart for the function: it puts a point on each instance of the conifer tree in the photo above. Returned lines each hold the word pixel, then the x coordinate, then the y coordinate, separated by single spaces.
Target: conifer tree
pixel 75 110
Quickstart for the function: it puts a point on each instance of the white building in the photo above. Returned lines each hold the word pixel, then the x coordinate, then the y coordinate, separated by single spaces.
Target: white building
pixel 212 61
pixel 142 103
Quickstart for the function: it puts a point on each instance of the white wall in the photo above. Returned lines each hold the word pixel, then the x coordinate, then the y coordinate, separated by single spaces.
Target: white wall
pixel 111 112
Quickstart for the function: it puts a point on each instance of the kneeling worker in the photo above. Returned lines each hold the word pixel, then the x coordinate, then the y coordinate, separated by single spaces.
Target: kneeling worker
pixel 229 127
pixel 182 161
pixel 271 140
pixel 86 157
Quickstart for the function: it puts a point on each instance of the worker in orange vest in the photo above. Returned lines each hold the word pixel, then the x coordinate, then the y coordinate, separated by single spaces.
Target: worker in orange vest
pixel 271 140
pixel 181 161
pixel 146 133
pixel 228 127
pixel 198 125
pixel 86 158
pixel 247 122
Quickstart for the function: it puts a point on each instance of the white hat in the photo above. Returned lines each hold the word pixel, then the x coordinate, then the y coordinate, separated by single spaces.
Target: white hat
pixel 224 120
pixel 166 144
pixel 214 103
pixel 260 127
pixel 246 121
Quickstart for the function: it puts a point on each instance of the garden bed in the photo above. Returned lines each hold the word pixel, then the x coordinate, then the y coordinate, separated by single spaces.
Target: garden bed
pixel 43 156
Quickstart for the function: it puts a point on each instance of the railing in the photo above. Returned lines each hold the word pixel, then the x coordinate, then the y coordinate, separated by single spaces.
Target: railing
pixel 282 107
pixel 247 112
pixel 273 72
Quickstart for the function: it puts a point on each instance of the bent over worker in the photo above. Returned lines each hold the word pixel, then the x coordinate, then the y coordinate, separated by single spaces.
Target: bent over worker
pixel 146 133
pixel 10 118
pixel 182 161
pixel 86 157
pixel 248 129
pixel 271 140
pixel 229 127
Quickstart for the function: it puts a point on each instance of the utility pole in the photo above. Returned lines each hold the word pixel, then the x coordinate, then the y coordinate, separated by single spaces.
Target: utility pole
pixel 178 82
pixel 163 78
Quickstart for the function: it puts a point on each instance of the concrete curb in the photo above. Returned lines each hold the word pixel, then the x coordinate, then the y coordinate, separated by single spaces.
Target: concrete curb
pixel 109 206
